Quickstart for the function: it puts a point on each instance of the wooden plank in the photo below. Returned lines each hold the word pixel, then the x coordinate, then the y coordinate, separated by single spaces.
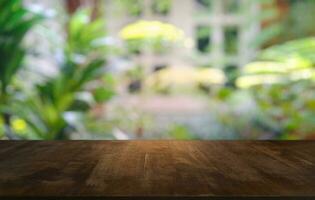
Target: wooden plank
pixel 169 169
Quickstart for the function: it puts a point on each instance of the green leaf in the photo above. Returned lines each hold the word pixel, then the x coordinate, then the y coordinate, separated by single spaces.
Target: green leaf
pixel 103 94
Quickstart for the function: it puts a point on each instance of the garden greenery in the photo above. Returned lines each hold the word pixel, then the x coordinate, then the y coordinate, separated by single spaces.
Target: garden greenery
pixel 47 108
pixel 282 83
pixel 151 35
pixel 15 22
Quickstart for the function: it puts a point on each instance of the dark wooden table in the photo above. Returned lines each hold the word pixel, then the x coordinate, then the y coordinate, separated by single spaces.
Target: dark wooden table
pixel 156 169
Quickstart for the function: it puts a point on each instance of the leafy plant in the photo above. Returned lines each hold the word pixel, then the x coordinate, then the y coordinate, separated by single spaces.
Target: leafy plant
pixel 150 35
pixel 282 26
pixel 105 93
pixel 180 132
pixel 15 22
pixel 48 108
pixel 282 84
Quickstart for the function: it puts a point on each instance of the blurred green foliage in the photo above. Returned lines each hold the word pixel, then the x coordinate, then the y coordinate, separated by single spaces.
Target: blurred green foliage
pixel 15 22
pixel 180 132
pixel 45 108
pixel 162 7
pixel 153 36
pixel 295 23
pixel 282 83
pixel 300 20
pixel 107 89
pixel 133 7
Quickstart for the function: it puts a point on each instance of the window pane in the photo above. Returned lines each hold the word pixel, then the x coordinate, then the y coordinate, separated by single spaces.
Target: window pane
pixel 203 39
pixel 205 4
pixel 161 7
pixel 231 72
pixel 133 7
pixel 231 40
pixel 231 6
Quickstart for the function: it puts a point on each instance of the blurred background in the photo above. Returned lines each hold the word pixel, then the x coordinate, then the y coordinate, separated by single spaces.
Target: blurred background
pixel 157 69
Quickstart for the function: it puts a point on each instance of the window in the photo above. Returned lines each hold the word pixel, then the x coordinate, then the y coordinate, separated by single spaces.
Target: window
pixel 231 6
pixel 206 4
pixel 231 72
pixel 203 39
pixel 133 7
pixel 231 40
pixel 161 7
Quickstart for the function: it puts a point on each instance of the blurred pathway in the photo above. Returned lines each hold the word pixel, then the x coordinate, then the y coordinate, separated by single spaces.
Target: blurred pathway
pixel 192 112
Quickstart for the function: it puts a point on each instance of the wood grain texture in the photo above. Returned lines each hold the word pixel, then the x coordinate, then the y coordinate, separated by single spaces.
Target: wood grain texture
pixel 108 169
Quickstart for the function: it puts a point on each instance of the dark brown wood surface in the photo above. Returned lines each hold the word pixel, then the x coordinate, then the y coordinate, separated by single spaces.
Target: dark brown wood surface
pixel 193 169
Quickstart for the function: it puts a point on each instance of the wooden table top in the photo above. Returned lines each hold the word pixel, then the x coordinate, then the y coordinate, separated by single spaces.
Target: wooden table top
pixel 107 169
